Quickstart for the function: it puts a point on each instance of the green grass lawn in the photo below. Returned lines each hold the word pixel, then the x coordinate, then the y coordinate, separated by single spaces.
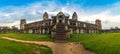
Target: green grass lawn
pixel 104 43
pixel 34 37
pixel 12 47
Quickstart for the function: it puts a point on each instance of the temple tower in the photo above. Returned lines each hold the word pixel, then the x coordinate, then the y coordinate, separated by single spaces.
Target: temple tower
pixel 98 23
pixel 45 16
pixel 74 16
pixel 60 17
pixel 22 24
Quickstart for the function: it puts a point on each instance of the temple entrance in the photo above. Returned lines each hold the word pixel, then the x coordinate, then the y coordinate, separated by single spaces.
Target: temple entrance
pixel 60 35
pixel 46 31
pixel 33 32
pixel 60 21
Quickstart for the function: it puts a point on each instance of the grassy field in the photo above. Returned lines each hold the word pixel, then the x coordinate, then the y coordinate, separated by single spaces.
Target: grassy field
pixel 12 47
pixel 34 37
pixel 105 43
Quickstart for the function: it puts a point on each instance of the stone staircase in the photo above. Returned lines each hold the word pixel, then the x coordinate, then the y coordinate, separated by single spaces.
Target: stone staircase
pixel 60 33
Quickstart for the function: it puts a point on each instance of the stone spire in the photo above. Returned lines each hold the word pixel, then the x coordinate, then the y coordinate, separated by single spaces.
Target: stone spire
pixel 22 24
pixel 45 16
pixel 60 13
pixel 98 23
pixel 74 16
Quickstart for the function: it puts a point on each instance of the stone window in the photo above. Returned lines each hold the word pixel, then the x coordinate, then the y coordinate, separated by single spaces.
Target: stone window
pixel 73 23
pixel 84 25
pixel 49 23
pixel 60 16
pixel 70 23
pixel 60 21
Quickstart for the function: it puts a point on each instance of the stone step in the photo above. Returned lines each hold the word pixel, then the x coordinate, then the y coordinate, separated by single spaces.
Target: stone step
pixel 60 41
pixel 60 38
pixel 60 29
pixel 60 33
pixel 60 26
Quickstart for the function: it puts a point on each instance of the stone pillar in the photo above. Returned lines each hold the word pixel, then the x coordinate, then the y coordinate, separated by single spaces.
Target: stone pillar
pixel 84 25
pixel 40 31
pixel 48 31
pixel 68 22
pixel 89 31
pixel 66 28
pixel 25 31
pixel 43 31
pixel 74 31
pixel 54 27
pixel 43 24
pixel 76 24
pixel 63 20
pixel 92 31
pixel 77 31
pixel 81 31
pixel 30 31
pixel 95 31
pixel 53 34
pixel 51 22
pixel 57 20
pixel 71 31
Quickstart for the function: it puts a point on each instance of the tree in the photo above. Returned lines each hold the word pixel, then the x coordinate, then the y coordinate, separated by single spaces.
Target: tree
pixel 14 28
pixel 111 28
pixel 116 27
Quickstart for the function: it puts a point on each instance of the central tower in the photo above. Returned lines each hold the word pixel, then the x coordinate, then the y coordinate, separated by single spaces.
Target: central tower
pixel 60 17
pixel 61 26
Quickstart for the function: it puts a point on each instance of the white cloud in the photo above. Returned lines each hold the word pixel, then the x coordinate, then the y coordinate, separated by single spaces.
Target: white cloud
pixel 11 15
pixel 108 18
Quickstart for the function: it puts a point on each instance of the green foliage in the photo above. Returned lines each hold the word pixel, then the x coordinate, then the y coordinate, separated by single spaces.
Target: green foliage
pixel 14 28
pixel 104 43
pixel 12 47
pixel 34 37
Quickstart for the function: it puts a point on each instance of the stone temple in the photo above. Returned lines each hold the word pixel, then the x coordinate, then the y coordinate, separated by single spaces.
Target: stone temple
pixel 60 26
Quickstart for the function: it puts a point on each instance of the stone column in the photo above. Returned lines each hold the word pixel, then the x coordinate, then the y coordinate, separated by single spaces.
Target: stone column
pixel 76 24
pixel 57 20
pixel 51 22
pixel 68 22
pixel 40 31
pixel 71 31
pixel 89 31
pixel 30 31
pixel 77 31
pixel 66 28
pixel 48 31
pixel 43 31
pixel 81 31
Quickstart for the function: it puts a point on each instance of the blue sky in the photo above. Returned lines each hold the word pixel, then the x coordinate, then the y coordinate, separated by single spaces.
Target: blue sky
pixel 85 3
pixel 11 11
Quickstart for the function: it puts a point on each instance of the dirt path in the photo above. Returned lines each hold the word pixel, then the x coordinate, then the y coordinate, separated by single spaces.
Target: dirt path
pixel 58 48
